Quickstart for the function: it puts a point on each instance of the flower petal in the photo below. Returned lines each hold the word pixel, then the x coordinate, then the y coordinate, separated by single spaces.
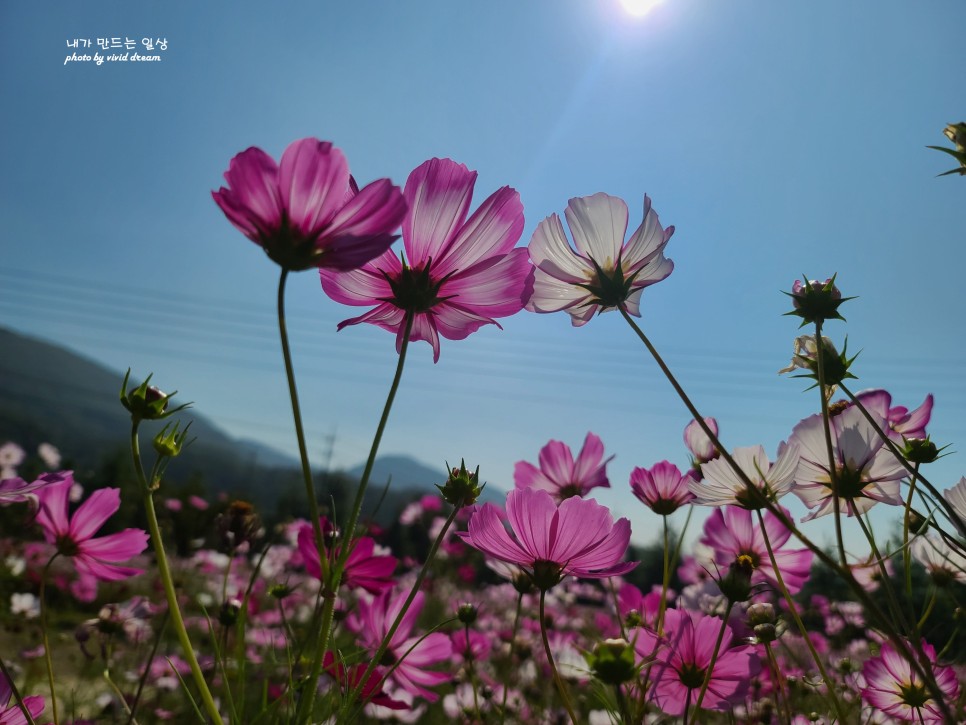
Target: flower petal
pixel 438 193
pixel 598 223
pixel 313 179
pixel 93 513
pixel 493 229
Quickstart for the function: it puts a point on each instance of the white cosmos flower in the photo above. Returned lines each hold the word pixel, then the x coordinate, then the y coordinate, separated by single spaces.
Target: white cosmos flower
pixel 943 563
pixel 603 273
pixel 866 472
pixel 722 486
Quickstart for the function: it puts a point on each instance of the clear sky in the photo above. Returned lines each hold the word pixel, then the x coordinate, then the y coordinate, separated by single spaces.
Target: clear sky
pixel 780 138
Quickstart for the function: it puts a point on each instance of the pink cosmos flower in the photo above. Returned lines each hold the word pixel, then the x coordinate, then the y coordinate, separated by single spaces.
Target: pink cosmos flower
pixel 562 476
pixel 10 712
pixel 579 538
pixel 721 486
pixel 363 569
pixel 866 472
pixel 663 488
pixel 603 273
pixel 893 686
pixel 697 441
pixel 901 422
pixel 16 490
pixel 459 274
pixel 74 536
pixel 732 532
pixel 307 211
pixel 682 664
pixel 371 623
pixel 350 678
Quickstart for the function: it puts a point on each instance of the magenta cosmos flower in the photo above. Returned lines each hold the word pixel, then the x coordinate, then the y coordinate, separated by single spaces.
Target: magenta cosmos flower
pixel 902 423
pixel 372 621
pixel 663 488
pixel 307 211
pixel 735 537
pixel 893 687
pixel 459 273
pixel 74 536
pixel 681 665
pixel 603 273
pixel 561 475
pixel 579 538
pixel 865 471
pixel 364 569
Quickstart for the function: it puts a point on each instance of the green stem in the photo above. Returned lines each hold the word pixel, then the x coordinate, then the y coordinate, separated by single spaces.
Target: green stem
pixel 513 641
pixel 906 555
pixel 714 657
pixel 665 581
pixel 472 674
pixel 46 640
pixel 920 663
pixel 147 668
pixel 299 431
pixel 16 694
pixel 947 508
pixel 781 695
pixel 793 610
pixel 164 572
pixel 561 687
pixel 833 476
pixel 414 590
pixel 891 600
pixel 120 696
pixel 331 587
pixel 929 607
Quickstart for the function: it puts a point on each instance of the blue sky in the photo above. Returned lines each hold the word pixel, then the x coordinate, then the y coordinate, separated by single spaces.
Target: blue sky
pixel 779 138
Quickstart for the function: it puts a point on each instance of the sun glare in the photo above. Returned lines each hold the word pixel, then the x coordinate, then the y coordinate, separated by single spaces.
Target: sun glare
pixel 639 8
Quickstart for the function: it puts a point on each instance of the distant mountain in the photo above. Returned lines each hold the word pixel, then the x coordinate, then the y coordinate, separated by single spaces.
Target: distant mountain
pixel 51 394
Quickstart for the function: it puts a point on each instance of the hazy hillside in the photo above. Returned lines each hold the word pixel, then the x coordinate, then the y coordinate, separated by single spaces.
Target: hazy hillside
pixel 48 393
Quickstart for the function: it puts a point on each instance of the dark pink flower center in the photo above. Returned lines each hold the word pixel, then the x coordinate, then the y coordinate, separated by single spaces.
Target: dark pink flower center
pixel 67 546
pixel 692 676
pixel 414 289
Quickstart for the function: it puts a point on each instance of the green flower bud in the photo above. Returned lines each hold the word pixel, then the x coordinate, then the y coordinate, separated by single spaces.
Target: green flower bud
pixel 920 450
pixel 736 586
pixel 612 661
pixel 462 488
pixel 168 444
pixel 466 613
pixel 816 302
pixel 146 402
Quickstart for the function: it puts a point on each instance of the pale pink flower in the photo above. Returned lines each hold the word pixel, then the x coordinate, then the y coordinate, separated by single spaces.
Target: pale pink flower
pixel 307 211
pixel 721 485
pixel 956 498
pixel 866 472
pixel 900 421
pixel 49 455
pixel 697 441
pixel 663 488
pixel 459 273
pixel 561 475
pixel 943 563
pixel 74 535
pixel 11 456
pixel 892 686
pixel 579 538
pixel 603 273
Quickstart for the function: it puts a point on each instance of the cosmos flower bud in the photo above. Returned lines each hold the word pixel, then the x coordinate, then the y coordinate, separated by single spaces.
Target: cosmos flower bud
pixel 612 661
pixel 168 444
pixel 238 524
pixel 466 613
pixel 146 402
pixel 736 585
pixel 761 613
pixel 920 450
pixel 462 487
pixel 816 302
pixel 955 132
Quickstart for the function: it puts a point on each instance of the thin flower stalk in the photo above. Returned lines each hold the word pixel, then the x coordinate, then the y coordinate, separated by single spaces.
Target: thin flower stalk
pixel 891 600
pixel 384 645
pixel 299 431
pixel 561 686
pixel 793 610
pixel 330 588
pixel 5 672
pixel 46 640
pixel 906 556
pixel 164 572
pixel 874 611
pixel 714 658
pixel 513 641
pixel 147 669
pixel 781 693
pixel 832 468
pixel 106 674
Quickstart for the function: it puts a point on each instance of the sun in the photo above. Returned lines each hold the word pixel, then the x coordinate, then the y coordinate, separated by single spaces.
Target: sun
pixel 639 8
